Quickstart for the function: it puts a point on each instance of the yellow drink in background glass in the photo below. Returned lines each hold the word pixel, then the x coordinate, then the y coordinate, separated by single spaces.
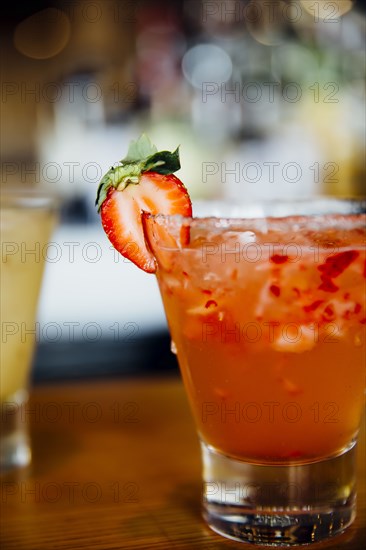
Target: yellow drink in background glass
pixel 27 220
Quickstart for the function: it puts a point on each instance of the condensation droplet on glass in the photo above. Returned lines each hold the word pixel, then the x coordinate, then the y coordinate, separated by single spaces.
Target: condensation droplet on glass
pixel 173 347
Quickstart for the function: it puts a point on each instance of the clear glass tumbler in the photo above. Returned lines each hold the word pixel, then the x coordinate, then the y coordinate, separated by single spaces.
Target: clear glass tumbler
pixel 267 314
pixel 27 219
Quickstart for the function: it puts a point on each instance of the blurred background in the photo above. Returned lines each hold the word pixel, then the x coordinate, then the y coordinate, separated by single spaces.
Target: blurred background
pixel 265 97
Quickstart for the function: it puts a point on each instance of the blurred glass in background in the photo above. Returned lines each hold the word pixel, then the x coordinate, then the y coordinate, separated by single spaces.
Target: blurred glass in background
pixel 265 97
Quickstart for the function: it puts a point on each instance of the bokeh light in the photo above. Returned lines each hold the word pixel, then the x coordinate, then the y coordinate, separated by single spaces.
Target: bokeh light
pixel 264 21
pixel 42 35
pixel 325 10
pixel 206 63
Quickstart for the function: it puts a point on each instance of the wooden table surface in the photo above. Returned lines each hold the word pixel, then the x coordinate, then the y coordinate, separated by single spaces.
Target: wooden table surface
pixel 116 465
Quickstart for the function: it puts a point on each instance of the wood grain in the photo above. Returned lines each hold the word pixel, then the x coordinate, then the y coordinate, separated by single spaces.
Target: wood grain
pixel 117 465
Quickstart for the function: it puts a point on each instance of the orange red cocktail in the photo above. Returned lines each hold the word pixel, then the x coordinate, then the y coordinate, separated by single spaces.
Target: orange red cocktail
pixel 268 320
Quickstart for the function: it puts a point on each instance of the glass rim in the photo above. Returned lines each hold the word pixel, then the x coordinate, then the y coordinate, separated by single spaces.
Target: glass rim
pixel 29 198
pixel 216 212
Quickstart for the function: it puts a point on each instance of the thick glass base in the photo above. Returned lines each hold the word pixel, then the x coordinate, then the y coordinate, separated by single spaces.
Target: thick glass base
pixel 279 505
pixel 15 449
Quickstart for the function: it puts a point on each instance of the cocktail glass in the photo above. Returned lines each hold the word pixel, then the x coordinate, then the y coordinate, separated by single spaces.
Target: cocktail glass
pixel 266 309
pixel 27 220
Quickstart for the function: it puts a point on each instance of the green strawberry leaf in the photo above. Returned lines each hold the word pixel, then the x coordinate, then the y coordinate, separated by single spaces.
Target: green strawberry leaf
pixel 103 189
pixel 139 150
pixel 163 162
pixel 142 157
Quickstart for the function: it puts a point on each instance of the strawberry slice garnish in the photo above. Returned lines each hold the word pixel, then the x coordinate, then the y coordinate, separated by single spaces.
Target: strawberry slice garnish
pixel 143 182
